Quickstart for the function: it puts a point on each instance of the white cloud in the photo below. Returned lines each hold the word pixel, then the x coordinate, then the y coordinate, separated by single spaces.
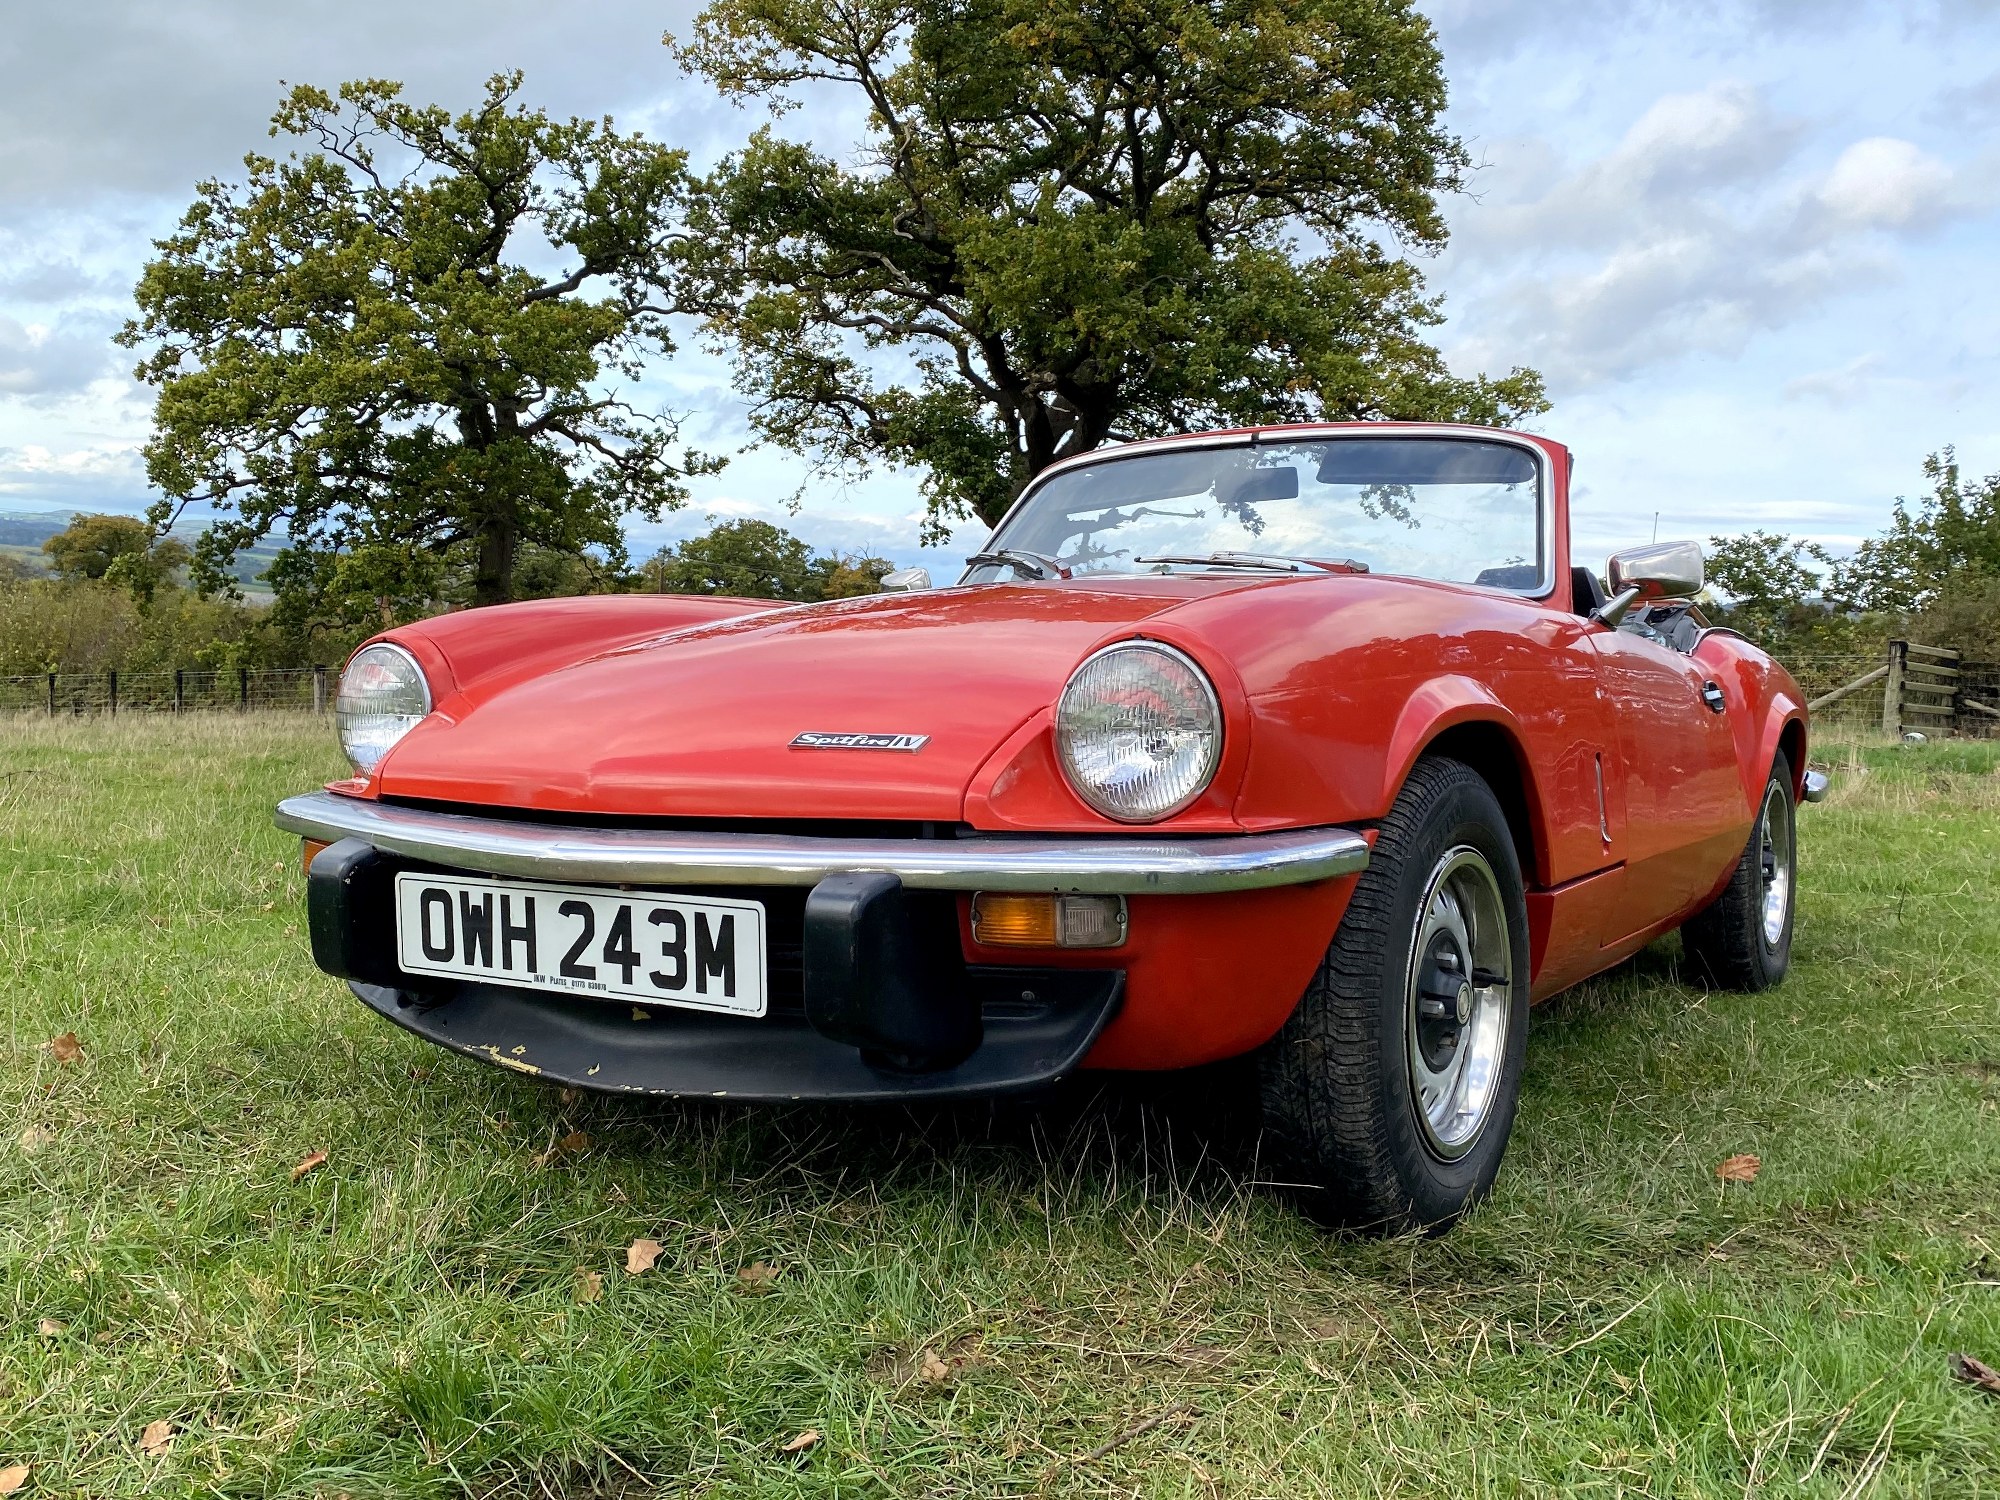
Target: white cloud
pixel 1885 183
pixel 105 476
pixel 40 360
pixel 1695 232
pixel 1840 386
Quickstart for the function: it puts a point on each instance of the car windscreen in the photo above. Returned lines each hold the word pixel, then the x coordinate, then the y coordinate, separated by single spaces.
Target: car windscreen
pixel 1459 510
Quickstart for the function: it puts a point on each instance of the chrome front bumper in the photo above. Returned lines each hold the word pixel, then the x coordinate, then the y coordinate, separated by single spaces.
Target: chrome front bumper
pixel 1126 866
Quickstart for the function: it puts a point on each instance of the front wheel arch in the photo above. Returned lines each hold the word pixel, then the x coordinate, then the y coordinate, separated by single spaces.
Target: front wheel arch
pixel 1492 751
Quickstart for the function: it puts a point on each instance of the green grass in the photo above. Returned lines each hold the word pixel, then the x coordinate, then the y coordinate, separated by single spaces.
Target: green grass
pixel 406 1320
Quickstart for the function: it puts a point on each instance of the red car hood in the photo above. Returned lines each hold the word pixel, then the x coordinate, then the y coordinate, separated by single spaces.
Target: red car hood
pixel 700 722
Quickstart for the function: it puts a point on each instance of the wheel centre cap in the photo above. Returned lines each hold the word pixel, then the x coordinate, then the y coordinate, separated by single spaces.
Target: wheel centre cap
pixel 1464 1003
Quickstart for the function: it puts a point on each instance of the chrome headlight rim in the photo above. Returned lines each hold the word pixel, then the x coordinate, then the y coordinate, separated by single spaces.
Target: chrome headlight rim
pixel 1211 700
pixel 423 681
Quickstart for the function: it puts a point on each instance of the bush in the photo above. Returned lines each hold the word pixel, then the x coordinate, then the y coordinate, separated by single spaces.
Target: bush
pixel 1965 615
pixel 87 625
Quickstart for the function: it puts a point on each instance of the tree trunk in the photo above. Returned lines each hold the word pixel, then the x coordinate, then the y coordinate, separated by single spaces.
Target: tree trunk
pixel 497 536
pixel 493 572
pixel 1042 433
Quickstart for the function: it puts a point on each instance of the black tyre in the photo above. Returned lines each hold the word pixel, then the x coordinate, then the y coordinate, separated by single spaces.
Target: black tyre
pixel 1389 1094
pixel 1742 940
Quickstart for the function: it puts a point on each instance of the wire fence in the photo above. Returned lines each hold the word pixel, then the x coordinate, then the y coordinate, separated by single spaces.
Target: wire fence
pixel 1961 699
pixel 310 690
pixel 1822 673
pixel 187 690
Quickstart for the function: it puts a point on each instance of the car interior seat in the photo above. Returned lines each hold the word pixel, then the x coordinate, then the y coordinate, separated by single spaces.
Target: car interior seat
pixel 1586 594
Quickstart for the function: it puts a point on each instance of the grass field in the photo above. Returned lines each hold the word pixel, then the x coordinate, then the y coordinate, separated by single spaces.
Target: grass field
pixel 1091 1298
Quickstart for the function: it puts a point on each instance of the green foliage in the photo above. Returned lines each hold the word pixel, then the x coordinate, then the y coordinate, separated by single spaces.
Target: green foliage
pixel 1967 616
pixel 1949 538
pixel 1776 590
pixel 844 576
pixel 1079 220
pixel 119 550
pixel 352 349
pixel 1932 576
pixel 47 625
pixel 1765 573
pixel 756 560
pixel 91 625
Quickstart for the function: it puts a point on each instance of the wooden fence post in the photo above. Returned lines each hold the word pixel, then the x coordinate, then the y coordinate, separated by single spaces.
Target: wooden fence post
pixel 242 689
pixel 111 690
pixel 52 694
pixel 1930 688
pixel 319 690
pixel 1892 690
pixel 180 690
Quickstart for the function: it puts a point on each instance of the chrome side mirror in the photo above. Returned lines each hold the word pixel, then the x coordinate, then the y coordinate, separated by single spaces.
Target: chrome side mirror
pixel 906 580
pixel 1665 570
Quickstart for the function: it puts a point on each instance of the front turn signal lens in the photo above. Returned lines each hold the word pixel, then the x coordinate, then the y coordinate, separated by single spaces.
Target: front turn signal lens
pixel 308 851
pixel 1007 919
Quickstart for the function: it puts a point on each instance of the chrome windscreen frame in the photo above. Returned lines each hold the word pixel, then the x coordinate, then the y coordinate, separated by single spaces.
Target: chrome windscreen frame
pixel 1545 521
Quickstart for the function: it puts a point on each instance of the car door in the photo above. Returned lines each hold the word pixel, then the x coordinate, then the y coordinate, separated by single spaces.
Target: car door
pixel 1685 819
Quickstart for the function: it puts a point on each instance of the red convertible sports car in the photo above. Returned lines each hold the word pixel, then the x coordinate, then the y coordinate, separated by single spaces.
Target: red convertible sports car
pixel 1309 742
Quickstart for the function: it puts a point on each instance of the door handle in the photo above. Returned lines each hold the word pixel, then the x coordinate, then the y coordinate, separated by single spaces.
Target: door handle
pixel 1711 694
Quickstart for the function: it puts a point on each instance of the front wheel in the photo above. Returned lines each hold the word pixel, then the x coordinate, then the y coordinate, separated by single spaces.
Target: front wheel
pixel 1389 1094
pixel 1743 939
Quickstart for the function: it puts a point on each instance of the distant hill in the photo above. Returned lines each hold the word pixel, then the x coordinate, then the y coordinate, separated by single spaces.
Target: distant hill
pixel 22 533
pixel 30 528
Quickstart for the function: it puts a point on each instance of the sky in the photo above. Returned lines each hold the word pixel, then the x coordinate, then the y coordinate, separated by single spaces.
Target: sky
pixel 1751 244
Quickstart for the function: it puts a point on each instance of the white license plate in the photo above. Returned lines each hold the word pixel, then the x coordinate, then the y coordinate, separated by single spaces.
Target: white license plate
pixel 705 954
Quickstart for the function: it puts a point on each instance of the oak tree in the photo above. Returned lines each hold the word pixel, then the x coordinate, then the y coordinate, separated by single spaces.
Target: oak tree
pixel 1075 221
pixel 400 346
pixel 755 560
pixel 120 550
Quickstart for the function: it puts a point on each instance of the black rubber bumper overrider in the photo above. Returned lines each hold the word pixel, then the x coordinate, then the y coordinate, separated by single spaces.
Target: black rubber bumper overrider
pixel 890 1012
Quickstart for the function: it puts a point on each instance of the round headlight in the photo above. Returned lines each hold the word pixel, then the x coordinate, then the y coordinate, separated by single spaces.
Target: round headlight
pixel 1139 731
pixel 382 697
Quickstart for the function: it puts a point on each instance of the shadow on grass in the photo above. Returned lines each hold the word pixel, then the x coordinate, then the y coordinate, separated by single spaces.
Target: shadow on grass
pixel 1176 1144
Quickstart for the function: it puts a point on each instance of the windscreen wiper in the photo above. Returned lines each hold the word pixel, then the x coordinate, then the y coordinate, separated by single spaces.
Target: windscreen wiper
pixel 1258 560
pixel 1027 564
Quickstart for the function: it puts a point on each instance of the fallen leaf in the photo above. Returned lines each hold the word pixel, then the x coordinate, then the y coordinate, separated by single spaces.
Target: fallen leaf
pixel 1742 1168
pixel 66 1048
pixel 15 1475
pixel 157 1440
pixel 49 1328
pixel 568 1096
pixel 1976 1373
pixel 757 1276
pixel 589 1285
pixel 933 1369
pixel 641 1254
pixel 34 1138
pixel 800 1443
pixel 310 1161
pixel 569 1145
